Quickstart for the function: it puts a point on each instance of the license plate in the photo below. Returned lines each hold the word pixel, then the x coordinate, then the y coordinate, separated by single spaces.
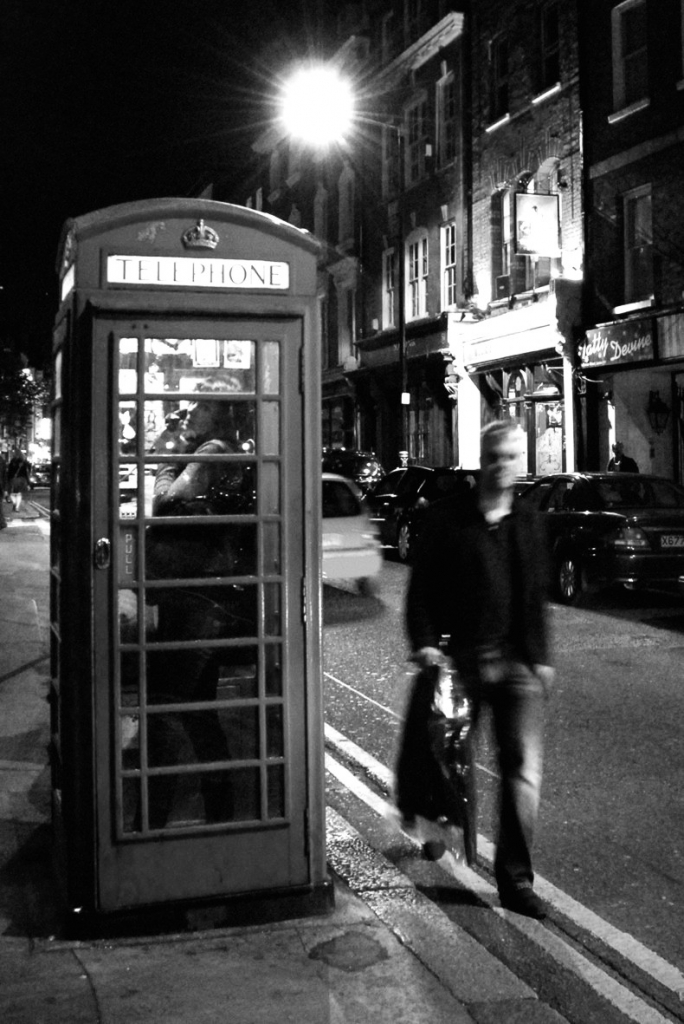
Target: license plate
pixel 672 540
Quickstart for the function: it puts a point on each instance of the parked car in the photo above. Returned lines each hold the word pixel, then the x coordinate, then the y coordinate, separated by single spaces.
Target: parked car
pixel 41 474
pixel 398 503
pixel 351 548
pixel 364 468
pixel 611 528
pixel 523 482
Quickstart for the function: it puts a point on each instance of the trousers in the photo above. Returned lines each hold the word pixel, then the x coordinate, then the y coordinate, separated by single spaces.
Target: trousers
pixel 515 698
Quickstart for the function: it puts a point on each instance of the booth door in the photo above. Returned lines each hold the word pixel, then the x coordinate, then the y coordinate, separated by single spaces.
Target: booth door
pixel 199 635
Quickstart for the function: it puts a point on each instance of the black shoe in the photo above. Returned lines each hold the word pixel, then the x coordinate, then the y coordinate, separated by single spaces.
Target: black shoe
pixel 433 849
pixel 524 901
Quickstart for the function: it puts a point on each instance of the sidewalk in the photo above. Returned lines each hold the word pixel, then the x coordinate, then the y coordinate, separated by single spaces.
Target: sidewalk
pixel 385 954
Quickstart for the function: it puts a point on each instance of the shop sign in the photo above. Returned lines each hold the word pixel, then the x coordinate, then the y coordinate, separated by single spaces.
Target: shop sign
pixel 487 350
pixel 615 344
pixel 536 224
pixel 197 272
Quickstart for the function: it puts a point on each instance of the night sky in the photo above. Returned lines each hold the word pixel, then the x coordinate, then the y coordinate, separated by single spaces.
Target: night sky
pixel 109 101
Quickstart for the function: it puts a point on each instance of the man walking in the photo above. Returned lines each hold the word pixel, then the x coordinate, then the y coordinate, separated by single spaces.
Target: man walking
pixel 480 579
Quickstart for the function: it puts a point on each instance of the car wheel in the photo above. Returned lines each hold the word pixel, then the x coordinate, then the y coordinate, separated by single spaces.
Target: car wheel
pixel 404 542
pixel 568 578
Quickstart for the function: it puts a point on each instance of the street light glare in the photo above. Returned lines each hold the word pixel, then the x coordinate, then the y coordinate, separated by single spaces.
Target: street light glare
pixel 318 106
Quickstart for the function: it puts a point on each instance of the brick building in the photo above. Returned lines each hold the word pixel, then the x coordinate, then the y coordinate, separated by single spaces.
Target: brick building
pixel 452 228
pixel 632 77
pixel 514 353
pixel 388 205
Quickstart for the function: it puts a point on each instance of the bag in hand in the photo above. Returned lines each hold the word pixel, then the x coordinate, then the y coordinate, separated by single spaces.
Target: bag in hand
pixel 434 773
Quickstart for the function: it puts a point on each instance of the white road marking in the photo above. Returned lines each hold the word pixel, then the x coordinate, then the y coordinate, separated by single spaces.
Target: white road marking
pixel 657 968
pixel 359 753
pixel 383 707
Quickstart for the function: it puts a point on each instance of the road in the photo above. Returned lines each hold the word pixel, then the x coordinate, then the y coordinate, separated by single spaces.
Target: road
pixel 611 833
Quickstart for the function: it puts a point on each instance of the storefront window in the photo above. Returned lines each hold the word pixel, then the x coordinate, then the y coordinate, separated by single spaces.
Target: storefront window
pixel 533 399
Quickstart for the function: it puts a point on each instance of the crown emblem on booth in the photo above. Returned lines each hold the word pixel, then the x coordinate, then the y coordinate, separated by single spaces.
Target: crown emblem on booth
pixel 200 237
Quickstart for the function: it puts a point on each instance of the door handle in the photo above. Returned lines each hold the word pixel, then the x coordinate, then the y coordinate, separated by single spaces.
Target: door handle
pixel 103 553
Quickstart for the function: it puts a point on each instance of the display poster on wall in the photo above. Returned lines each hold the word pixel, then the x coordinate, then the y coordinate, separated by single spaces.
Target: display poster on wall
pixel 615 344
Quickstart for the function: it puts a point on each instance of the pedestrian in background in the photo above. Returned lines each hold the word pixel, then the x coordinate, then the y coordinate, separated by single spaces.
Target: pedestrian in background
pixel 480 579
pixel 621 463
pixel 18 478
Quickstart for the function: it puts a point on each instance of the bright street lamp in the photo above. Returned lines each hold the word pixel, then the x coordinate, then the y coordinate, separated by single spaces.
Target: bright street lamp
pixel 318 106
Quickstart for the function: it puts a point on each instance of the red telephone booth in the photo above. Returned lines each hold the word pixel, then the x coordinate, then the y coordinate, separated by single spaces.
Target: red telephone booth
pixel 186 665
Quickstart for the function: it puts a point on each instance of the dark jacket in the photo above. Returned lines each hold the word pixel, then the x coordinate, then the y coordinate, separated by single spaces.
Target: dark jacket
pixel 455 587
pixel 623 465
pixel 19 468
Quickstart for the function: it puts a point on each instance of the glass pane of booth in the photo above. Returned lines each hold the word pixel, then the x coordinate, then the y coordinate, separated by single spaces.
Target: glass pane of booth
pixel 271 367
pixel 128 366
pixel 204 422
pixel 200 600
pixel 195 550
pixel 178 364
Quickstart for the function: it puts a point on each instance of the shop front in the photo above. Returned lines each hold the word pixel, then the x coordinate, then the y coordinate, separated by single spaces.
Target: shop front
pixel 512 365
pixel 430 419
pixel 634 393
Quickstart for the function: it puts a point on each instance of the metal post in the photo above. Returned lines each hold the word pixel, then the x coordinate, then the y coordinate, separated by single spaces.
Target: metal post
pixel 404 394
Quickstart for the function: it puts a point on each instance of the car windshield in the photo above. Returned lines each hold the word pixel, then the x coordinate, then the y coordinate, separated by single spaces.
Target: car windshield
pixel 456 481
pixel 639 492
pixel 351 461
pixel 339 501
pixel 389 484
pixel 359 464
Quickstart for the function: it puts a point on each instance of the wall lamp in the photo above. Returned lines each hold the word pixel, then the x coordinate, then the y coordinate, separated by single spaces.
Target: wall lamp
pixel 658 413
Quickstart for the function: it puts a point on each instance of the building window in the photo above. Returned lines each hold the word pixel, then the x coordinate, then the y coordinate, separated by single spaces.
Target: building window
pixel 346 207
pixel 416 20
pixel 417 277
pixel 294 162
pixel 345 323
pixel 390 162
pixel 420 421
pixel 506 232
pixel 391 37
pixel 321 213
pixel 416 140
pixel 389 287
pixel 630 57
pixel 277 171
pixel 446 119
pixel 638 242
pixel 498 102
pixel 549 46
pixel 325 332
pixel 449 277
pixel 511 273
